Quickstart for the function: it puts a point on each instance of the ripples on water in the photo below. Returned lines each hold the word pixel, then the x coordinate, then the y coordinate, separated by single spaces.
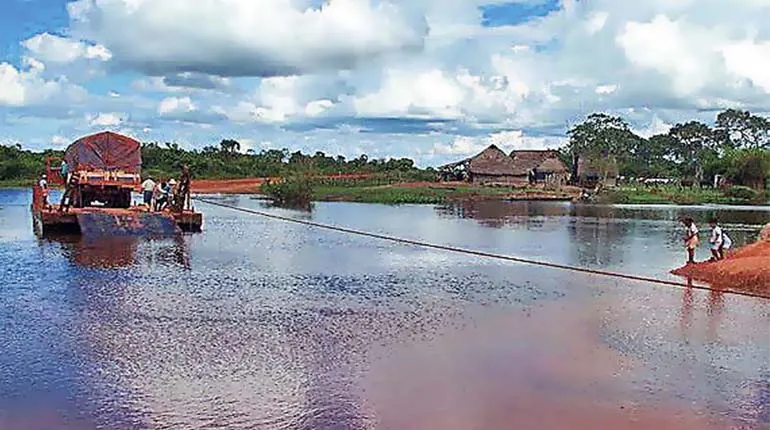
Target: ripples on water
pixel 261 324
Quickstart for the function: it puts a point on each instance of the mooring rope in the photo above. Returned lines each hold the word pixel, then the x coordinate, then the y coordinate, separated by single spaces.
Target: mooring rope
pixel 483 253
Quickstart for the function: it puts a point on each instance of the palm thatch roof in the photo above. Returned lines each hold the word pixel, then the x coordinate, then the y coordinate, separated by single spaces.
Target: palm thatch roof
pixel 492 162
pixel 552 165
pixel 546 161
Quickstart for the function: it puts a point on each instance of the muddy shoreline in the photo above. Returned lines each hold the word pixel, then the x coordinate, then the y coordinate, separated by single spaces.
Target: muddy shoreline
pixel 745 269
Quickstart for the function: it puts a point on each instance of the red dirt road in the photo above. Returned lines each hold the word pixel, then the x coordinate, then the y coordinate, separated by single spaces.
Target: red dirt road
pixel 227 186
pixel 246 185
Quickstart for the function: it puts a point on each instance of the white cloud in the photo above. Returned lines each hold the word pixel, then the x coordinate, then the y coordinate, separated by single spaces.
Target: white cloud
pixel 110 119
pixel 318 107
pixel 505 140
pixel 56 49
pixel 672 48
pixel 606 89
pixel 283 98
pixel 434 93
pixel 656 126
pixel 749 60
pixel 261 38
pixel 184 110
pixel 21 88
pixel 59 141
pixel 174 105
pixel 656 63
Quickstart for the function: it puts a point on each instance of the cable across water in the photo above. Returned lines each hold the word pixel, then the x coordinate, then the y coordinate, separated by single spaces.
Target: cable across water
pixel 481 253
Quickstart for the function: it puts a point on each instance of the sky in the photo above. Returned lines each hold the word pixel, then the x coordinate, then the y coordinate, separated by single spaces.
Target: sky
pixel 432 80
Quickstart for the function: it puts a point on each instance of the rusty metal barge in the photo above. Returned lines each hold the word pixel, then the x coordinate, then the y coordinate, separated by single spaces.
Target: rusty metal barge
pixel 99 173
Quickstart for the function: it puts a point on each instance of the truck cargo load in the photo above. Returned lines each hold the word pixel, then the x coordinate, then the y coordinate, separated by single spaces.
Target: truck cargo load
pixel 105 151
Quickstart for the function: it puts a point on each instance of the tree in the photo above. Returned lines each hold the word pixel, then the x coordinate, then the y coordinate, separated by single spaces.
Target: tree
pixel 230 146
pixel 601 137
pixel 651 157
pixel 693 143
pixel 741 129
pixel 751 167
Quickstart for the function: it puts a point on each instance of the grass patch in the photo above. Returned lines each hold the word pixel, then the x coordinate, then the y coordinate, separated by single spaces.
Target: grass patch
pixel 16 183
pixel 293 192
pixel 637 195
pixel 409 195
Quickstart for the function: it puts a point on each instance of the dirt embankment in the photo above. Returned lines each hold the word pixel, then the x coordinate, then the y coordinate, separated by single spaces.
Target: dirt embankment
pixel 251 185
pixel 227 186
pixel 745 269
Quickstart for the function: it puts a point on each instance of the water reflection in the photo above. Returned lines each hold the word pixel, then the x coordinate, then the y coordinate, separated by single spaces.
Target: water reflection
pixel 258 324
pixel 491 213
pixel 500 213
pixel 639 240
pixel 114 252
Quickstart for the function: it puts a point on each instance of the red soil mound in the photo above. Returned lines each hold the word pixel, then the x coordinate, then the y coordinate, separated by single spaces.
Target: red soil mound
pixel 746 269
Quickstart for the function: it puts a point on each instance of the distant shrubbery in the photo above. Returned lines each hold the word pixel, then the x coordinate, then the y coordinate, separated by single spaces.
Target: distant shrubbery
pixel 19 166
pixel 295 191
pixel 224 161
pixel 737 147
pixel 743 193
pixel 668 194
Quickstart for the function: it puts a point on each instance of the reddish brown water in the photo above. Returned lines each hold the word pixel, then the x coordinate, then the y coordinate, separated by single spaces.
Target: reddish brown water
pixel 262 325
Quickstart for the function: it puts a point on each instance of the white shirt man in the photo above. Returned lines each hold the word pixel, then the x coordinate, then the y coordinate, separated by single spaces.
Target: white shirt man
pixel 147 187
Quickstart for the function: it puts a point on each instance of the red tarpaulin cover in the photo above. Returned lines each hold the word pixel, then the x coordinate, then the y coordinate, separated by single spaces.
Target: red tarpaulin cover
pixel 105 151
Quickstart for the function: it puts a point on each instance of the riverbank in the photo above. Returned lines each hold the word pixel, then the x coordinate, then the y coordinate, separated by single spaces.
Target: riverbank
pixel 672 195
pixel 744 269
pixel 397 193
pixel 436 193
pixel 16 183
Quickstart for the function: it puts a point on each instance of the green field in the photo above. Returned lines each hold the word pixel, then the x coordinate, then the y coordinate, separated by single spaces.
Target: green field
pixel 16 183
pixel 405 195
pixel 682 196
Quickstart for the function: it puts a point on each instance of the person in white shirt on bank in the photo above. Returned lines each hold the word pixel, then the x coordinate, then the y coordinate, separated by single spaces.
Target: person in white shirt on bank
pixel 719 241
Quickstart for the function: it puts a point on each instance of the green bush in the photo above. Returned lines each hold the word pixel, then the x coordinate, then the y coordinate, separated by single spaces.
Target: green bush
pixel 295 191
pixel 742 193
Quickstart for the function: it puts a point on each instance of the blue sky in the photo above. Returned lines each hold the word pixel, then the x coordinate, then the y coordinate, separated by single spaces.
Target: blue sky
pixel 433 80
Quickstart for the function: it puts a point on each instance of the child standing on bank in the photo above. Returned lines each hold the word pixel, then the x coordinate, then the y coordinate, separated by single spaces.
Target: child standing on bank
pixel 690 239
pixel 720 241
pixel 717 240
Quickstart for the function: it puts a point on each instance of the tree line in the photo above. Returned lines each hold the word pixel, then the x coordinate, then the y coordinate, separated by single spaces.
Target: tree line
pixel 223 161
pixel 737 147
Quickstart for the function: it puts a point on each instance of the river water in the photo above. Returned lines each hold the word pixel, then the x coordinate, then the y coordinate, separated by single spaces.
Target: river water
pixel 263 324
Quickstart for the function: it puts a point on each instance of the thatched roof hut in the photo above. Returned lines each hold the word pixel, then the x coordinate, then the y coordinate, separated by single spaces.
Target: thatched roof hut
pixel 553 165
pixel 544 161
pixel 492 162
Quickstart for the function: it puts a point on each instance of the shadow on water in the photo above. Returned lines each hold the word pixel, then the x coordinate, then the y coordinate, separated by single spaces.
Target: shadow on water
pixel 114 252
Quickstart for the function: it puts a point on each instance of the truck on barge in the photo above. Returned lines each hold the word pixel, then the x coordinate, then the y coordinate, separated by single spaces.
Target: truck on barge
pixel 104 171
